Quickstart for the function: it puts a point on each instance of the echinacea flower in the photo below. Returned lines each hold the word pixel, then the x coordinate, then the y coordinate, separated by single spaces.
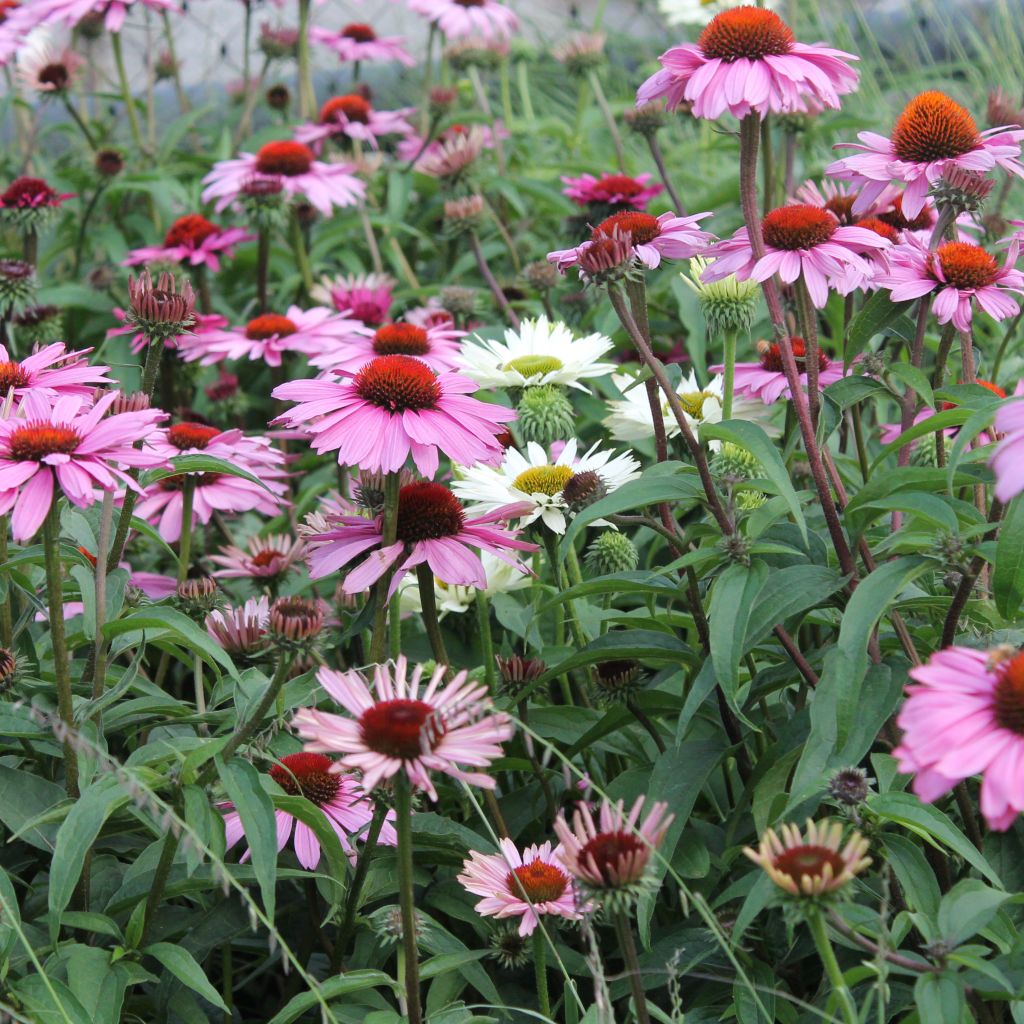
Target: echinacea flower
pixel 453 154
pixel 965 717
pixel 69 445
pixel 51 371
pixel 365 297
pixel 354 117
pixel 395 724
pixel 817 865
pixel 394 407
pixel 838 198
pixel 527 885
pixel 339 795
pixel 241 630
pixel 191 239
pixel 503 577
pixel 293 166
pixel 359 43
pixel 538 352
pixel 766 379
pixel 697 12
pixel 268 336
pixel 800 242
pixel 263 558
pixel 933 133
pixel 30 197
pixel 1008 460
pixel 201 324
pixel 433 528
pixel 548 487
pixel 437 346
pixel 652 238
pixel 960 274
pixel 458 19
pixel 479 137
pixel 45 69
pixel 610 856
pixel 69 13
pixel 747 61
pixel 625 190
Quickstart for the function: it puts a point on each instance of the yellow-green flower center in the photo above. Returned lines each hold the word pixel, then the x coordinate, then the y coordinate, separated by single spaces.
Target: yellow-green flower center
pixel 549 480
pixel 693 403
pixel 530 365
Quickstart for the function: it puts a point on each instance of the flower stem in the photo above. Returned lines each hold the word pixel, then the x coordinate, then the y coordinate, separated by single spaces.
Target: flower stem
pixel 540 968
pixel 492 283
pixel 6 615
pixel 126 92
pixel 428 602
pixel 483 614
pixel 242 735
pixel 77 118
pixel 523 83
pixel 58 642
pixel 188 491
pixel 485 106
pixel 809 328
pixel 403 823
pixel 378 638
pixel 102 548
pixel 659 162
pixel 609 117
pixel 356 888
pixel 819 932
pixel 301 255
pixel 307 99
pixel 262 265
pixel 729 374
pixel 628 946
pixel 183 104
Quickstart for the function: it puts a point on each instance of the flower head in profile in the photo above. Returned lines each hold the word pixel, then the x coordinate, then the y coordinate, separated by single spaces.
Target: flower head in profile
pixel 610 855
pixel 698 12
pixel 459 19
pixel 536 353
pixel 766 379
pixel 358 43
pixel 291 165
pixel 747 61
pixel 932 134
pixel 45 69
pixel 70 445
pixel 201 324
pixel 959 274
pixel 437 345
pixel 454 154
pixel 625 191
pixel 1008 460
pixel 816 865
pixel 352 116
pixel 503 576
pixel 394 407
pixel 29 203
pixel 50 371
pixel 262 558
pixel 728 304
pixel 396 723
pixel 337 794
pixel 433 528
pixel 241 630
pixel 160 309
pixel 527 885
pixel 549 488
pixel 191 239
pixel 365 297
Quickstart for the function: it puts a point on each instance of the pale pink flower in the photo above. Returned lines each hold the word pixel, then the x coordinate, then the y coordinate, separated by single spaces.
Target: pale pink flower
pixel 44 68
pixel 433 314
pixel 838 198
pixel 365 297
pixel 354 117
pixel 241 630
pixel 68 13
pixel 398 725
pixel 339 796
pixel 612 189
pixel 458 19
pixel 264 558
pixel 526 885
pixel 1008 460
pixel 746 61
pixel 292 165
pixel 357 42
pixel 481 136
pixel 203 323
pixel 966 717
pixel 766 379
pixel 50 371
pixel 932 134
pixel 393 407
pixel 70 446
pixel 437 346
pixel 191 239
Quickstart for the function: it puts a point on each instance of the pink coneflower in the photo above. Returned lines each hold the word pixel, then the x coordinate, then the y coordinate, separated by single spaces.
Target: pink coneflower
pixel 437 346
pixel 838 198
pixel 214 492
pixel 458 19
pixel 44 69
pixel 365 297
pixel 611 853
pixel 433 314
pixel 354 117
pixel 51 371
pixel 653 238
pixel 612 190
pixel 192 239
pixel 432 527
pixel 400 726
pixel 268 336
pixel 453 154
pixel 66 444
pixel 766 379
pixel 346 807
pixel 393 407
pixel 931 134
pixel 264 558
pixel 747 61
pixel 294 166
pixel 357 42
pixel 966 717
pixel 242 630
pixel 203 323
pixel 527 885
pixel 799 241
pixel 959 273
pixel 32 194
pixel 1008 460
pixel 69 13
pixel 412 147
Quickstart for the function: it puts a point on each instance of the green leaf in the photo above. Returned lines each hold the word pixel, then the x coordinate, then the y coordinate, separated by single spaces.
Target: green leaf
pixel 940 421
pixel 915 379
pixel 253 803
pixel 1008 574
pixel 25 796
pixel 199 464
pixel 732 598
pixel 967 908
pixel 940 999
pixel 159 621
pixel 311 815
pixel 332 988
pixel 184 966
pixel 787 591
pixel 873 317
pixel 751 437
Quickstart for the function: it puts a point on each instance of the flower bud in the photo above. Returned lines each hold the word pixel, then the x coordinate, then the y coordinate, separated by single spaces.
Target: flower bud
pixel 545 414
pixel 611 552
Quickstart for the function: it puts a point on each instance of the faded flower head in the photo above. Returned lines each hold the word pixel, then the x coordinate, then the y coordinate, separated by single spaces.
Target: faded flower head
pixel 162 310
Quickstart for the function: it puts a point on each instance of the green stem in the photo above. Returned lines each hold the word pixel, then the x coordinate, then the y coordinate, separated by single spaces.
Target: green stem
pixel 6 616
pixel 183 104
pixel 262 264
pixel 395 627
pixel 102 549
pixel 609 118
pixel 485 107
pixel 808 318
pixel 77 118
pixel 301 255
pixel 159 883
pixel 506 93
pixel 355 890
pixel 378 638
pixel 483 615
pixel 729 374
pixel 126 92
pixel 188 490
pixel 428 76
pixel 58 641
pixel 403 822
pixel 428 602
pixel 307 99
pixel 523 84
pixel 540 968
pixel 819 932
pixel 998 361
pixel 632 964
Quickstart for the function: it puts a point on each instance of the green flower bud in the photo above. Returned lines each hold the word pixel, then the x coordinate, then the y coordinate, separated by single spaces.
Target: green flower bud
pixel 611 552
pixel 546 414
